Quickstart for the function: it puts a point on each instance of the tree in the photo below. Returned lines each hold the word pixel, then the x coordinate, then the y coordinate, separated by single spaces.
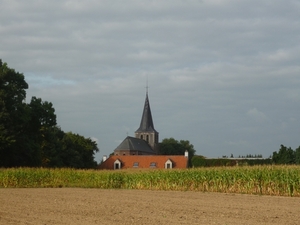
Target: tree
pixel 297 155
pixel 42 114
pixel 51 147
pixel 284 156
pixel 41 120
pixel 170 146
pixel 13 113
pixel 78 151
pixel 28 132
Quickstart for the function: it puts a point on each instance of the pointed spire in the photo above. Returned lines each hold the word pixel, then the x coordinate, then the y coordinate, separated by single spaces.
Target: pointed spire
pixel 146 121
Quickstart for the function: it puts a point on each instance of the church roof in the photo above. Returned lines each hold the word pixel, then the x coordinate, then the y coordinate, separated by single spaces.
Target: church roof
pixel 146 121
pixel 145 161
pixel 131 143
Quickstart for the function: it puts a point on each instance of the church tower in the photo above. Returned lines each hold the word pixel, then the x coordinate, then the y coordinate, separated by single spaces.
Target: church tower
pixel 146 130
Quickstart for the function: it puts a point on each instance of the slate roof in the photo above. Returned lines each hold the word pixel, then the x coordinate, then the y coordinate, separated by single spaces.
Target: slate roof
pixel 146 121
pixel 137 144
pixel 144 161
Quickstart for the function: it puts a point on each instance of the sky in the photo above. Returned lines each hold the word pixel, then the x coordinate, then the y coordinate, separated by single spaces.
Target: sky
pixel 223 74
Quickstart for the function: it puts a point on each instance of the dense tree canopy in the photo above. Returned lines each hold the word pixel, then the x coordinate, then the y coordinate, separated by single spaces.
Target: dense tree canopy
pixel 170 146
pixel 286 156
pixel 13 113
pixel 29 135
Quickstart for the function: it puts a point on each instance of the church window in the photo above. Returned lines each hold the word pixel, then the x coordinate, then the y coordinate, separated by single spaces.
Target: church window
pixel 153 164
pixel 168 164
pixel 141 136
pixel 117 165
pixel 147 138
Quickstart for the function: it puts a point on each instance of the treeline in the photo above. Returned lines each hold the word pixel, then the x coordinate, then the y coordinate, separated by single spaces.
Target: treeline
pixel 29 135
pixel 200 161
pixel 251 156
pixel 285 156
pixel 247 156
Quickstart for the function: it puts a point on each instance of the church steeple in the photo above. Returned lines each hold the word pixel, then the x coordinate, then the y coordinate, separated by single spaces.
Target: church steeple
pixel 146 121
pixel 146 130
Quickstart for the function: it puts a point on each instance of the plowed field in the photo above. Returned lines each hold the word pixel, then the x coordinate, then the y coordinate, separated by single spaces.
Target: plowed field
pixel 97 206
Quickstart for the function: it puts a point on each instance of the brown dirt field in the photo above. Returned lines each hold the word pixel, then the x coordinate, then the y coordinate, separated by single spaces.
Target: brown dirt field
pixel 98 206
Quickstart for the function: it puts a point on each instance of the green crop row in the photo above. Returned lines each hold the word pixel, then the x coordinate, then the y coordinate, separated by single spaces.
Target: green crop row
pixel 263 180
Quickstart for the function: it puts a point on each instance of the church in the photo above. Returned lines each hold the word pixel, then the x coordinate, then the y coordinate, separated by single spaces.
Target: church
pixel 142 151
pixel 145 141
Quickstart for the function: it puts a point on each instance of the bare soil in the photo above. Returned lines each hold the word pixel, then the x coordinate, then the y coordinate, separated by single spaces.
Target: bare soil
pixel 98 206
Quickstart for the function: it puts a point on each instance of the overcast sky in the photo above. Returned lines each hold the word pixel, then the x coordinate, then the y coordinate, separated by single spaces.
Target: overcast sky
pixel 223 74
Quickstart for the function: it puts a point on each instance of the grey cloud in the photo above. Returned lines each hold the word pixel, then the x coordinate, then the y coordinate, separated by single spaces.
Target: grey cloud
pixel 257 115
pixel 214 68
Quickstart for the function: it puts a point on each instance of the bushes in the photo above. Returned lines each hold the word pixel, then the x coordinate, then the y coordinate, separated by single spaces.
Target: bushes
pixel 200 161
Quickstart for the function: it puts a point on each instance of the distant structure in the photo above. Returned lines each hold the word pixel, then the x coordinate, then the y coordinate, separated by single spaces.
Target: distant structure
pixel 116 162
pixel 142 150
pixel 134 146
pixel 146 139
pixel 146 130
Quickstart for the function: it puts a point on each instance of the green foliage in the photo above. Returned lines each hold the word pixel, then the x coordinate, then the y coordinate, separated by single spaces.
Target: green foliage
pixel 286 156
pixel 200 161
pixel 52 147
pixel 78 152
pixel 22 125
pixel 170 146
pixel 253 162
pixel 13 113
pixel 42 114
pixel 28 132
pixel 261 180
pixel 297 155
pixel 251 156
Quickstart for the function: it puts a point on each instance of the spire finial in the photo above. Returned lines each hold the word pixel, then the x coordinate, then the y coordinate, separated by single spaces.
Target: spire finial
pixel 147 87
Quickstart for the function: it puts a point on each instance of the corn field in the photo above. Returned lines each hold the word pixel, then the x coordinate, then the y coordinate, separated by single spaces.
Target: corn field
pixel 261 180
